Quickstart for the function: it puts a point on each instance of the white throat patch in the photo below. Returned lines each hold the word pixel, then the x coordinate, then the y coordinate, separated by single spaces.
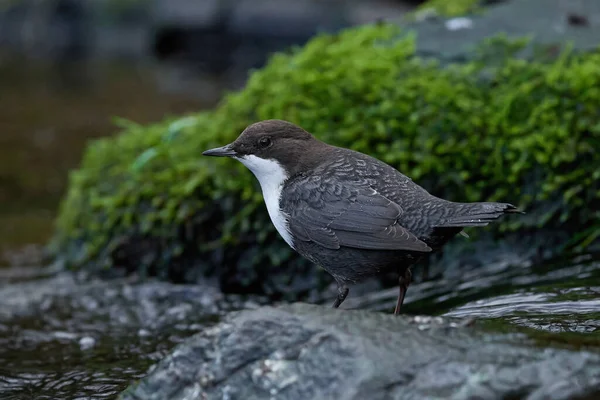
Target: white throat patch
pixel 270 175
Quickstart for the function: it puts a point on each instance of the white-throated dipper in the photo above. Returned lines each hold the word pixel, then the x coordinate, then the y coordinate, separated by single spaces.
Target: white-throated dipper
pixel 350 213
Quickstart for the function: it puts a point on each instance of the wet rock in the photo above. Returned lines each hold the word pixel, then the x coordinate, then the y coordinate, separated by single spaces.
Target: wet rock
pixel 124 303
pixel 96 337
pixel 547 21
pixel 309 352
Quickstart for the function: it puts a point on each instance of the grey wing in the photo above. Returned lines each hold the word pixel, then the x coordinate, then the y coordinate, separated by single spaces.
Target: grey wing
pixel 334 213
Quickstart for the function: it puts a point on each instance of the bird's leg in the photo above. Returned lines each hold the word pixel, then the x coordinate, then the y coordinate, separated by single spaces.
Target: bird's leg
pixel 342 293
pixel 425 275
pixel 403 283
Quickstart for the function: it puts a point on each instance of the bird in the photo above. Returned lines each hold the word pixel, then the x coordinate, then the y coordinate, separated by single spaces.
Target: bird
pixel 351 214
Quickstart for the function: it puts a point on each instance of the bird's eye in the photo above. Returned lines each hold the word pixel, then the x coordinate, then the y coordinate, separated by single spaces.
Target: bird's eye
pixel 264 142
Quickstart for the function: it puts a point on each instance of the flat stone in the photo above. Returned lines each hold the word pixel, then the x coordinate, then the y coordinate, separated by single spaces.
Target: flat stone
pixel 309 352
pixel 546 21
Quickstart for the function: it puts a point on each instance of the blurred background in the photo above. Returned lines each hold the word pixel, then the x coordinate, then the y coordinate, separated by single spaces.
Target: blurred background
pixel 67 67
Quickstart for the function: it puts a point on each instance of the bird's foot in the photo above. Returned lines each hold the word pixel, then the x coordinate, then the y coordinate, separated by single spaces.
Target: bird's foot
pixel 342 294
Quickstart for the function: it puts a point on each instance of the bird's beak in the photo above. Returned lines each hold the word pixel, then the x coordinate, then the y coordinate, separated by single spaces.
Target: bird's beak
pixel 225 151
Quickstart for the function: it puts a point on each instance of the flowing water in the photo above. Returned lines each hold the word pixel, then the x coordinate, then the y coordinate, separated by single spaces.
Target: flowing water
pixel 557 300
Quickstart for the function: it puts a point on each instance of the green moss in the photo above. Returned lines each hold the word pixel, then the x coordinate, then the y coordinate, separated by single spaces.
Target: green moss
pixel 451 8
pixel 498 128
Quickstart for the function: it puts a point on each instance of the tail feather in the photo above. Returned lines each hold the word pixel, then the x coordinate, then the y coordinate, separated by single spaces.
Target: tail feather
pixel 477 214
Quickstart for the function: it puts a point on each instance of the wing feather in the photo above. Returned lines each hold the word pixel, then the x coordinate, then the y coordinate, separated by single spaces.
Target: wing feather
pixel 350 214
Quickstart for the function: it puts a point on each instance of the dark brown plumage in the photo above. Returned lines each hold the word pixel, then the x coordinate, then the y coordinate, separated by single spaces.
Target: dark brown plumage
pixel 350 213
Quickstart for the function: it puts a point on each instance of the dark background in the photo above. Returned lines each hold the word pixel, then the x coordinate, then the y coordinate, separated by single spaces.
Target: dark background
pixel 67 67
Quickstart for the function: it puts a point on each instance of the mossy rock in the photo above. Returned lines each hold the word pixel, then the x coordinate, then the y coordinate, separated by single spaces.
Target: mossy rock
pixel 451 8
pixel 498 128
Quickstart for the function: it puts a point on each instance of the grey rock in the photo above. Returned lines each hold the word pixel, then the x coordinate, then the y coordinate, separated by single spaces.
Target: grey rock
pixel 63 338
pixel 547 21
pixel 123 303
pixel 309 352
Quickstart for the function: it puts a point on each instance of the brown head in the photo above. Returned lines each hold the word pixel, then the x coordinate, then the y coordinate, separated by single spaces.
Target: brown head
pixel 281 142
